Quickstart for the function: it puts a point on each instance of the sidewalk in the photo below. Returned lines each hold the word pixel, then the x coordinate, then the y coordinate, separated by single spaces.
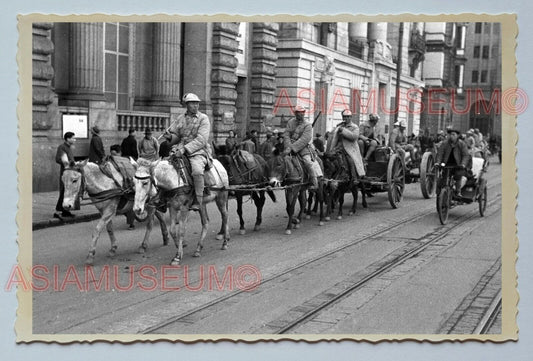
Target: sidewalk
pixel 43 209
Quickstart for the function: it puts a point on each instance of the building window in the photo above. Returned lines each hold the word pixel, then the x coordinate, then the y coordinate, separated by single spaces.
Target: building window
pixel 356 49
pixel 495 51
pixel 483 76
pixel 116 62
pixel 476 52
pixel 475 76
pixel 496 28
pixel 478 28
pixel 486 52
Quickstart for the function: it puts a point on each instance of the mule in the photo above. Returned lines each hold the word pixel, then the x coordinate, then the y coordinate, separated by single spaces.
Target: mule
pixel 106 192
pixel 176 190
pixel 288 172
pixel 245 169
pixel 339 182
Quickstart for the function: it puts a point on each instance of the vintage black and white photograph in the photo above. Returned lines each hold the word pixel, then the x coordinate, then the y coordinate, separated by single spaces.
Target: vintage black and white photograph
pixel 313 180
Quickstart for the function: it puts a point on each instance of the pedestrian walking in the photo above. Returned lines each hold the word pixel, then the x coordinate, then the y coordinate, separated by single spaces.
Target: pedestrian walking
pixel 129 145
pixel 231 142
pixel 149 146
pixel 64 157
pixel 96 148
pixel 267 147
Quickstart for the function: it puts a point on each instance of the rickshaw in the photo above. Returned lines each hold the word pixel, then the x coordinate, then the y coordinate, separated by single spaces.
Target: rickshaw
pixel 475 189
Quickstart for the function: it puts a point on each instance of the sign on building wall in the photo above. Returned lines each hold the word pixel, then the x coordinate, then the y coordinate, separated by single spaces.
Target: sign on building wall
pixel 76 123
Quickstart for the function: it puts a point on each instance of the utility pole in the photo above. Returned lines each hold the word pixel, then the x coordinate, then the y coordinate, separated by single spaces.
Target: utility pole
pixel 398 73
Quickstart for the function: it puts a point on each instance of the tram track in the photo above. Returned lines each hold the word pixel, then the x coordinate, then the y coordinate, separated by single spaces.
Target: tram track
pixel 491 316
pixel 204 310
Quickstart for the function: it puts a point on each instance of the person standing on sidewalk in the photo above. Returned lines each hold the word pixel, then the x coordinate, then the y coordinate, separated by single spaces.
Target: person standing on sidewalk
pixel 96 148
pixel 129 145
pixel 64 158
pixel 149 146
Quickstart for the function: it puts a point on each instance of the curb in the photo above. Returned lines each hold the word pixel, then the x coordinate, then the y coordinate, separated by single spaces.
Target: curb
pixel 54 222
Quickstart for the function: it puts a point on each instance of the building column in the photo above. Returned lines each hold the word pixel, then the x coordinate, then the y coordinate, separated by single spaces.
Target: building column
pixel 358 37
pixel 86 60
pixel 44 99
pixel 197 54
pixel 166 63
pixel 377 37
pixel 223 75
pixel 264 57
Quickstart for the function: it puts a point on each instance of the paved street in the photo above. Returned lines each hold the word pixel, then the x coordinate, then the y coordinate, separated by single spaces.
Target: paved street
pixel 452 273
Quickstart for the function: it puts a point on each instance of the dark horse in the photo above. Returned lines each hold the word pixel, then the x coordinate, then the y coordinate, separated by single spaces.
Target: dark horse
pixel 288 171
pixel 246 170
pixel 339 181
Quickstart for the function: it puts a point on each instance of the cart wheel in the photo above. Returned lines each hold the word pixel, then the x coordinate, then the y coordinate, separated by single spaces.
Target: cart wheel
pixel 395 180
pixel 482 198
pixel 427 175
pixel 141 217
pixel 443 204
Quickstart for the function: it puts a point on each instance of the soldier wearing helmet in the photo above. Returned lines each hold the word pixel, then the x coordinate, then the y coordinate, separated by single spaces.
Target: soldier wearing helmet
pixel 297 136
pixel 398 140
pixel 367 140
pixel 345 138
pixel 190 134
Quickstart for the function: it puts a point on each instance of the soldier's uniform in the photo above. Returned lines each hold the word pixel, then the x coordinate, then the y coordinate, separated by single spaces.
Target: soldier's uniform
pixel 297 136
pixel 192 132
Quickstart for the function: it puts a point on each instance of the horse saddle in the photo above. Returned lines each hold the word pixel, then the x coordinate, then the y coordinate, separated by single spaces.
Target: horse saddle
pixel 183 167
pixel 245 163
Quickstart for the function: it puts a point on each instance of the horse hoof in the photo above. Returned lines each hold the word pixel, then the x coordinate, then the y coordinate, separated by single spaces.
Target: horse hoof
pixel 328 219
pixel 141 250
pixel 196 254
pixel 111 254
pixel 339 217
pixel 175 262
pixel 288 232
pixel 257 228
pixel 320 223
pixel 224 246
pixel 165 241
pixel 89 261
pixel 351 213
pixel 242 232
pixel 308 217
pixel 219 237
pixel 297 226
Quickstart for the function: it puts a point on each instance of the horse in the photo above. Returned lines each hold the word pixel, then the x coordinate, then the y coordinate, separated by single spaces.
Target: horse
pixel 339 181
pixel 289 172
pixel 104 184
pixel 174 187
pixel 247 170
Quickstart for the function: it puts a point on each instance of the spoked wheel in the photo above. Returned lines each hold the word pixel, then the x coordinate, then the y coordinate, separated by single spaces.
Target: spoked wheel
pixel 482 197
pixel 427 175
pixel 395 180
pixel 443 204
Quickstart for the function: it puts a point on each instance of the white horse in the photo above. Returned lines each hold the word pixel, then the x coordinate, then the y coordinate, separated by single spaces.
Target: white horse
pixel 106 194
pixel 174 188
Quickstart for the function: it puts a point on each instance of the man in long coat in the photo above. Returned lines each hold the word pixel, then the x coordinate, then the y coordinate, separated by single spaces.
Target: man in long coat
pixel 345 136
pixel 96 148
pixel 297 136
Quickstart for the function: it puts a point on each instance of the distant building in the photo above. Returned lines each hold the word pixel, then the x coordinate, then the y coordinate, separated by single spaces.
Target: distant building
pixel 483 76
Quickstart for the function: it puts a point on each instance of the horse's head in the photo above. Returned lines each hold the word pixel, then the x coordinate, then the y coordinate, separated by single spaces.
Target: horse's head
pixel 277 169
pixel 72 179
pixel 144 187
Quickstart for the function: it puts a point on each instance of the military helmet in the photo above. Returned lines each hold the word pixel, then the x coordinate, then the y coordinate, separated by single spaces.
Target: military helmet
pixel 190 97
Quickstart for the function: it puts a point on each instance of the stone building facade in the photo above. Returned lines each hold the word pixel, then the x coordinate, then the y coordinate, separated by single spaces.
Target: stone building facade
pixel 483 76
pixel 248 75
